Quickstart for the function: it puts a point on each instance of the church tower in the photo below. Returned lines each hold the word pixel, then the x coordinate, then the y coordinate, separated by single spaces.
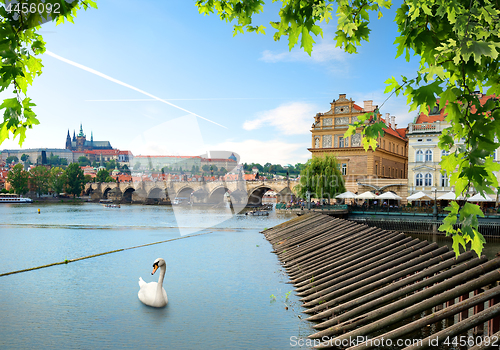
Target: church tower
pixel 80 140
pixel 68 141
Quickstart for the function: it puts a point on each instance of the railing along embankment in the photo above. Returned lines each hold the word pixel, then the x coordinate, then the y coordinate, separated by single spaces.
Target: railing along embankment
pixel 376 286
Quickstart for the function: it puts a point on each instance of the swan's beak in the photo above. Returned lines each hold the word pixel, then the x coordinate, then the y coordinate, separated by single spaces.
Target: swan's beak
pixel 154 269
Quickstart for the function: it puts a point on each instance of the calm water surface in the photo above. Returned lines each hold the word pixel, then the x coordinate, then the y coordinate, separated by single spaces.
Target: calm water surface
pixel 219 284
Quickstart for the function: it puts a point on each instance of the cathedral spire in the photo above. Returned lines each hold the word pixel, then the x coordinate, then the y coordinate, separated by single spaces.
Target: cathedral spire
pixel 91 136
pixel 74 136
pixel 81 134
pixel 68 141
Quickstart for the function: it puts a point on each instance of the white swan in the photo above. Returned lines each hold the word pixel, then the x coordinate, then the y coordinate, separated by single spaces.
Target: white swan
pixel 152 293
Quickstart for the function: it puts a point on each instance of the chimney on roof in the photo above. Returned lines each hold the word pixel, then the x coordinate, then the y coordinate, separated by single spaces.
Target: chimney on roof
pixel 368 106
pixel 387 121
pixel 393 122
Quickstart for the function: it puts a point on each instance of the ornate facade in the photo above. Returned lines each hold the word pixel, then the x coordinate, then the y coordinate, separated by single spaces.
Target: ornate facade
pixel 424 154
pixel 389 160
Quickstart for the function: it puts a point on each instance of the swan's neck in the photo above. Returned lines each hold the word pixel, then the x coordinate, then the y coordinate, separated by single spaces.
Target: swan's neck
pixel 160 279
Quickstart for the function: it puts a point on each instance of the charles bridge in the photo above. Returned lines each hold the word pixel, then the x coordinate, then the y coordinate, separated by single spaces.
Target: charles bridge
pixel 211 192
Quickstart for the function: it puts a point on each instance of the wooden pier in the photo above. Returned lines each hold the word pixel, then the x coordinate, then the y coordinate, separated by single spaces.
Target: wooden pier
pixel 376 286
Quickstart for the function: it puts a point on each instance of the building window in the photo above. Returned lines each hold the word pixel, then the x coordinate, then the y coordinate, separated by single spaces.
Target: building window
pixel 344 168
pixel 376 169
pixel 420 156
pixel 428 155
pixel 445 153
pixel 384 144
pixel 419 140
pixel 444 180
pixel 341 142
pixel 429 139
pixel 418 180
pixel 428 179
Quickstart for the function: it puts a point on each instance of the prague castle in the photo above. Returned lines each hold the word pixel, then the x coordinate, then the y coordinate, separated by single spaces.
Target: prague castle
pixel 79 143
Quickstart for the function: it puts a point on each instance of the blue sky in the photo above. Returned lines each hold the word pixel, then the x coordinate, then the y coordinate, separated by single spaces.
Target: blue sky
pixel 264 96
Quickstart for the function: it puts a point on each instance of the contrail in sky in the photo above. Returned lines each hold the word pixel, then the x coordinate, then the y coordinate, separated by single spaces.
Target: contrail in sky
pixel 102 75
pixel 185 99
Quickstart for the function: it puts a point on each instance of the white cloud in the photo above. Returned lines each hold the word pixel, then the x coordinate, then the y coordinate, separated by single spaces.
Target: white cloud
pixel 322 52
pixel 272 151
pixel 293 118
pixel 171 138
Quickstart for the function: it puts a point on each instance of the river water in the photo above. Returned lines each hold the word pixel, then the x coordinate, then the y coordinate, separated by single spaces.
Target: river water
pixel 226 289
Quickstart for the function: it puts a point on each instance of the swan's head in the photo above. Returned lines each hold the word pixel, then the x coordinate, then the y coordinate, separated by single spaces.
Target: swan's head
pixel 158 263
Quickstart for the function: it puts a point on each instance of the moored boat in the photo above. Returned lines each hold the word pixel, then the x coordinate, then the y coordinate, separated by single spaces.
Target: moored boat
pixel 13 198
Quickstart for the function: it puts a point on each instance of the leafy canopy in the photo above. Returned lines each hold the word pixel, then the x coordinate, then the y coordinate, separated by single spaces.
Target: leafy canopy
pixel 39 179
pixel 18 179
pixel 75 181
pixel 458 42
pixel 321 177
pixel 20 44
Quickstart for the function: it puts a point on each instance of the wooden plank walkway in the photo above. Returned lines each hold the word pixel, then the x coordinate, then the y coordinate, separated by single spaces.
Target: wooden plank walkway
pixel 361 283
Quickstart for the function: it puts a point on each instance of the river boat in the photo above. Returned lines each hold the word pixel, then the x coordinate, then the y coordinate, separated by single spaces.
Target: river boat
pixel 257 213
pixel 13 198
pixel 180 201
pixel 112 205
pixel 106 201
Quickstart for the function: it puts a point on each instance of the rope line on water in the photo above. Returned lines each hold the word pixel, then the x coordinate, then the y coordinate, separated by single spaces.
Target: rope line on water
pixel 99 254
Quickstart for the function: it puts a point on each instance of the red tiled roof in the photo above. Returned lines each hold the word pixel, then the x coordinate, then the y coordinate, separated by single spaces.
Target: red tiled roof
pixel 250 176
pixel 140 156
pixel 401 131
pixel 124 152
pixel 356 107
pixel 101 151
pixel 124 178
pixel 392 131
pixel 422 118
pixel 217 160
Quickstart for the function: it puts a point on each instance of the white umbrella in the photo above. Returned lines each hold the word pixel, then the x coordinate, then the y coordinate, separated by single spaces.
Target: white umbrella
pixel 366 195
pixel 479 198
pixel 389 195
pixel 450 196
pixel 418 196
pixel 346 195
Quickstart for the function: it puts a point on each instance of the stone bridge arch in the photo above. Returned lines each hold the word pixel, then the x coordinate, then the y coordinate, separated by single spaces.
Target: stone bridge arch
pixel 105 192
pixel 127 194
pixel 217 195
pixel 185 192
pixel 88 191
pixel 257 193
pixel 157 194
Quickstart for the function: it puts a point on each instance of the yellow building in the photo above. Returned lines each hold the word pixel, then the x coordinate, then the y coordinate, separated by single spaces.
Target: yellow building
pixel 389 160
